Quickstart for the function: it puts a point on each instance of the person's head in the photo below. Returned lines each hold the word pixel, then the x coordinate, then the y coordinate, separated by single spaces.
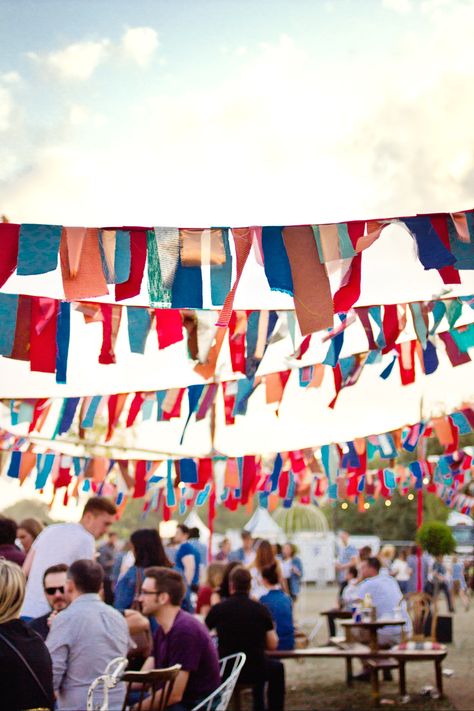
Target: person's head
pixel 352 573
pixel 414 550
pixel 98 515
pixel 12 590
pixel 387 554
pixel 28 530
pixel 402 555
pixel 148 548
pixel 162 588
pixel 454 559
pixel 7 531
pixel 240 581
pixel 84 577
pixel 247 540
pixel 54 586
pixel 276 548
pixel 194 533
pixel 182 533
pixel 365 552
pixel 344 537
pixel 288 550
pixel 112 538
pixel 224 589
pixel 225 546
pixel 215 574
pixel 270 575
pixel 264 555
pixel 369 568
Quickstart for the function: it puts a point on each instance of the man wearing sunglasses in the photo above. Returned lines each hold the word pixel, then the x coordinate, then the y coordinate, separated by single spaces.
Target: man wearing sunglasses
pixel 54 585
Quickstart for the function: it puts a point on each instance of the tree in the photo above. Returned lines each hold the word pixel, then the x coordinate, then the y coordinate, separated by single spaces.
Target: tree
pixel 436 538
pixel 29 508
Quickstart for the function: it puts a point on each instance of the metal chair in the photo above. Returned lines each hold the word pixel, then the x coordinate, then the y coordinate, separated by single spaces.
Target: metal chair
pixel 106 681
pixel 151 681
pixel 230 668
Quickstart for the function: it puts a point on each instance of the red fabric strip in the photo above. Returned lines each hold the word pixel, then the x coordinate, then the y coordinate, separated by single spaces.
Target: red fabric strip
pixel 390 326
pixel 139 489
pixel 303 347
pixel 135 407
pixel 204 473
pixel 39 407
pixel 406 361
pixel 44 316
pixel 115 406
pixel 9 235
pixel 176 409
pixel 111 315
pixel 363 314
pixel 132 286
pixel 249 478
pixel 229 403
pixel 21 342
pixel 337 384
pixel 355 230
pixel 449 275
pixel 454 354
pixel 297 461
pixel 349 292
pixel 237 343
pixel 169 327
pixel 243 243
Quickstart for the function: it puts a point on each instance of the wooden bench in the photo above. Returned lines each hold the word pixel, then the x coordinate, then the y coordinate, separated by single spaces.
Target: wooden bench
pixel 376 661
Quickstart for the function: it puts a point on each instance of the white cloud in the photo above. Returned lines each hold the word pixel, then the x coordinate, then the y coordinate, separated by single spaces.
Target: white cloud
pixel 11 77
pixel 140 44
pixel 6 108
pixel 401 6
pixel 80 115
pixel 79 60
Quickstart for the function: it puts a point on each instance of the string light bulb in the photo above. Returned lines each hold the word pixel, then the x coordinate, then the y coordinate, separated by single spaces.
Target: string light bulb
pixel 366 505
pixel 344 505
pixel 388 502
pixel 410 497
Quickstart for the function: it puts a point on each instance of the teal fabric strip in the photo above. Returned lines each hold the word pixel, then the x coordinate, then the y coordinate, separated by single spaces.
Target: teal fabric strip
pixel 170 494
pixel 419 323
pixel 464 337
pixel 345 244
pixel 453 311
pixel 8 313
pixel 438 311
pixel 38 249
pixel 139 322
pixel 160 296
pixel 122 256
pixel 89 416
pixel 463 251
pixel 317 239
pixel 221 275
pixel 376 314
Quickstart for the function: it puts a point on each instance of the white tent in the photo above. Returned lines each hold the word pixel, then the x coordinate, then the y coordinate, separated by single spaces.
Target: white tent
pixel 193 521
pixel 455 519
pixel 261 525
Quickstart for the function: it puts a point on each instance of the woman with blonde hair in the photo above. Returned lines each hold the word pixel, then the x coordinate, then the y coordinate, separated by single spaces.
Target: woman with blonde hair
pixel 26 674
pixel 208 593
pixel 263 558
pixel 28 531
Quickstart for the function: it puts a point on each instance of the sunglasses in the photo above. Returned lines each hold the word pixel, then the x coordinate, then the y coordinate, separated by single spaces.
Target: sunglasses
pixel 53 591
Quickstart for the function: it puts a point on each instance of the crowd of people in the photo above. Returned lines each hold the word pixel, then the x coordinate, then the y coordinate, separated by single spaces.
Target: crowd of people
pixel 68 607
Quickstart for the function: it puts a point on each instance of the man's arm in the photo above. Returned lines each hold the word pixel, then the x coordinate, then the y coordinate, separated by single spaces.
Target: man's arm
pixel 189 565
pixel 271 640
pixel 28 562
pixel 58 641
pixel 176 695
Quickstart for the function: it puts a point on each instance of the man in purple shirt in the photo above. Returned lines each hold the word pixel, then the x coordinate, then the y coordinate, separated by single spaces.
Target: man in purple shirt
pixel 8 549
pixel 179 639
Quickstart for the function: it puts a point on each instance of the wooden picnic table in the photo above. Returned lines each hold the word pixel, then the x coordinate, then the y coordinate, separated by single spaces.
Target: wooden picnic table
pixel 372 627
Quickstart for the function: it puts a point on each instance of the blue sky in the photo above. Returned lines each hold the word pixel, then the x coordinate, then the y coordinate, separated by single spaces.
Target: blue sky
pixel 229 112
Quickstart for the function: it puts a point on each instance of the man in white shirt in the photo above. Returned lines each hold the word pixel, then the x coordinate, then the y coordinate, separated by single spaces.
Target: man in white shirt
pixel 64 543
pixel 84 638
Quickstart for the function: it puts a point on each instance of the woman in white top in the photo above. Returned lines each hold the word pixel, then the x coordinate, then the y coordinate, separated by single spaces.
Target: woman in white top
pixel 401 571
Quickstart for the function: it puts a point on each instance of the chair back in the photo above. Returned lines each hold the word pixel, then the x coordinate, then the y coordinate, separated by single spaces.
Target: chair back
pixel 151 681
pixel 230 668
pixel 100 686
pixel 419 606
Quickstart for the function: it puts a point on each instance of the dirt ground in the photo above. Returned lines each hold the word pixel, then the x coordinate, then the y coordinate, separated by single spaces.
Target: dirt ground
pixel 319 684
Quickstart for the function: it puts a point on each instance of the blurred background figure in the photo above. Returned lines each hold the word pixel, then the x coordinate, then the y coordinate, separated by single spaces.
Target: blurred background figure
pixel 280 606
pixel 459 582
pixel 27 532
pixel 246 553
pixel 386 556
pixel 20 689
pixel 224 552
pixel 215 574
pixel 401 571
pixel 347 555
pixel 292 570
pixel 8 549
pixel 194 539
pixel 264 557
pixel 107 555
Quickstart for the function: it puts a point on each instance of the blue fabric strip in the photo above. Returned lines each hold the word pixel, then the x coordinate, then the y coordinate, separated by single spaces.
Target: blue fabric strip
pixel 251 337
pixel 417 472
pixel 160 398
pixel 376 314
pixel 244 390
pixel 187 288
pixel 275 475
pixel 8 313
pixel 63 332
pixel 430 358
pixel 122 256
pixel 89 416
pixel 348 366
pixel 438 311
pixel 346 248
pixel 147 409
pixel 277 265
pixel 44 470
pixel 332 356
pixel 139 322
pixel 14 468
pixel 38 249
pixel 353 458
pixel 461 422
pixel 170 493
pixel 221 275
pixel 431 250
pixel 188 472
pixel 68 414
pixel 194 394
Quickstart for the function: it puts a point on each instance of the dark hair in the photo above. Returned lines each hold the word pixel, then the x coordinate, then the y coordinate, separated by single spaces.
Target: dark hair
pixel 353 571
pixel 374 563
pixel 60 568
pixel 240 580
pixel 32 526
pixel 149 549
pixel 224 590
pixel 87 575
pixel 270 574
pixel 168 581
pixel 100 504
pixel 194 532
pixel 7 530
pixel 365 552
pixel 414 550
pixel 245 534
pixel 183 528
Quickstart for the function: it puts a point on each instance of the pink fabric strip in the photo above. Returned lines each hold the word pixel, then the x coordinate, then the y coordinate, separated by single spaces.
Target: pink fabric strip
pixel 243 243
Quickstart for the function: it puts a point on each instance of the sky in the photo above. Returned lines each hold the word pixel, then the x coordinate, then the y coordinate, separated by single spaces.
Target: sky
pixel 233 112
pixel 210 112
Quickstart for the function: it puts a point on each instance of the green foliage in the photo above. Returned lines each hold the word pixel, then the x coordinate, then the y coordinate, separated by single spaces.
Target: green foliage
pixel 28 508
pixel 301 517
pixel 396 522
pixel 436 538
